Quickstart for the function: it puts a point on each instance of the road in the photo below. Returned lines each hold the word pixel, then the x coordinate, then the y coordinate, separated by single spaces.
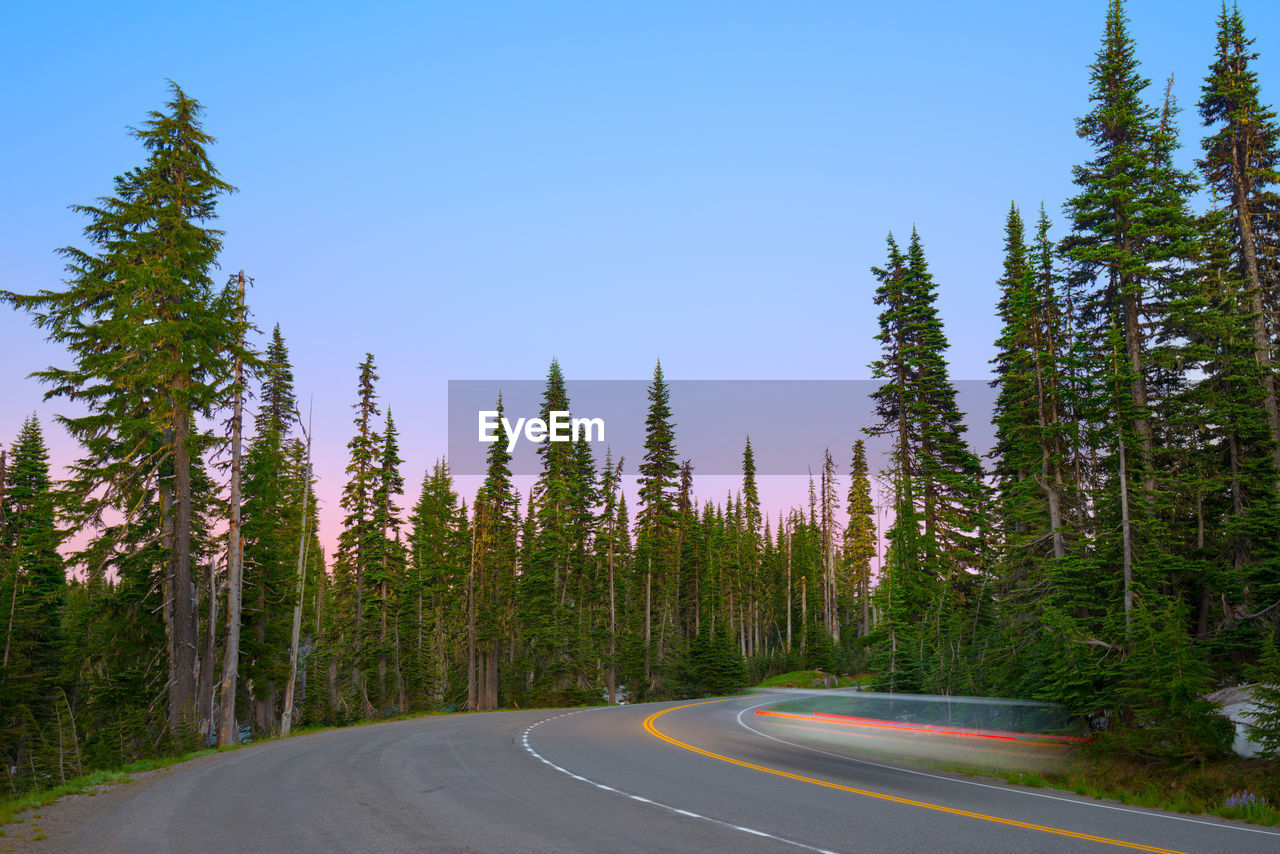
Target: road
pixel 656 777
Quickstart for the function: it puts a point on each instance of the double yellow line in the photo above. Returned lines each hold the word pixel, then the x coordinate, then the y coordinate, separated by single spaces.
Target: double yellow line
pixel 654 731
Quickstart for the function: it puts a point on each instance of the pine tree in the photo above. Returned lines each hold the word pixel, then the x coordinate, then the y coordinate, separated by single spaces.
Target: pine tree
pixel 655 533
pixel 749 567
pixel 152 344
pixel 934 553
pixel 429 626
pixel 358 544
pixel 612 545
pixel 491 577
pixel 859 539
pixel 1240 166
pixel 830 590
pixel 32 591
pixel 551 569
pixel 271 529
pixel 384 569
pixel 277 405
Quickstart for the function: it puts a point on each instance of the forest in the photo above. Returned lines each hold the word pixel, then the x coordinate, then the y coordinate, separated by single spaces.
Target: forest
pixel 1118 551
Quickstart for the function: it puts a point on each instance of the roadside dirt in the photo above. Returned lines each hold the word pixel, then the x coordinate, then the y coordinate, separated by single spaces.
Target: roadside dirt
pixel 47 828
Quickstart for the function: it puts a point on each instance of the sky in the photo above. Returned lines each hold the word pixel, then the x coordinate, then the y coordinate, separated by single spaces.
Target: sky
pixel 467 190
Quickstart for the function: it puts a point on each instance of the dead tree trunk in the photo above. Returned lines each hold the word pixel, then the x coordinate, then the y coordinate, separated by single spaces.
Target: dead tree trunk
pixel 286 717
pixel 228 732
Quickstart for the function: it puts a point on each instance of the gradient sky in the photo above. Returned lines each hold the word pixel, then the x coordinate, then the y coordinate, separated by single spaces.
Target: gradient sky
pixel 469 189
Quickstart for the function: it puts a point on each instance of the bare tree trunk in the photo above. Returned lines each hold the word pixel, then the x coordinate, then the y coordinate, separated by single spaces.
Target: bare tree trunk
pixel 611 677
pixel 228 732
pixel 207 727
pixel 1052 486
pixel 286 716
pixel 473 697
pixel 790 601
pixel 804 612
pixel 491 680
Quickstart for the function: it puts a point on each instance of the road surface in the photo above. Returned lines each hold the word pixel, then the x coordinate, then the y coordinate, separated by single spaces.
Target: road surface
pixel 709 777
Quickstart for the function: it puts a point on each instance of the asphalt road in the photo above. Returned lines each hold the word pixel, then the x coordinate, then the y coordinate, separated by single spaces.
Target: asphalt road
pixel 661 777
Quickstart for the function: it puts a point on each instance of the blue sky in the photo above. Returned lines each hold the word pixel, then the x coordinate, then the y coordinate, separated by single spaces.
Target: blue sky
pixel 469 189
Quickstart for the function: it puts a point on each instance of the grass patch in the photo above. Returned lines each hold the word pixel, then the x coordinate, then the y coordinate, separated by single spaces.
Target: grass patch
pixel 810 679
pixel 11 807
pixel 1244 789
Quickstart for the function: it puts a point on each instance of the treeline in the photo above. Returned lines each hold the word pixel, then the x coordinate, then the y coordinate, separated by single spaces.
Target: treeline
pixel 1118 551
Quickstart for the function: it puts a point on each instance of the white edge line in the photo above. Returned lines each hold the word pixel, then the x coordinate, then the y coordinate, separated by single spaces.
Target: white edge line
pixel 1077 801
pixel 524 739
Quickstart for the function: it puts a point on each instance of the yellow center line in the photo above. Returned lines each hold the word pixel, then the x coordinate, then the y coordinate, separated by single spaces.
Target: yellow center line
pixel 654 731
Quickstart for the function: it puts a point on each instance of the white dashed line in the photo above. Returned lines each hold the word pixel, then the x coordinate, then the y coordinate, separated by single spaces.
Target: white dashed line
pixel 524 740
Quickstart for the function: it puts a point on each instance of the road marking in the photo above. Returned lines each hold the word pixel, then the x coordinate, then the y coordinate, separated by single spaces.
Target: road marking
pixel 654 731
pixel 524 740
pixel 1076 801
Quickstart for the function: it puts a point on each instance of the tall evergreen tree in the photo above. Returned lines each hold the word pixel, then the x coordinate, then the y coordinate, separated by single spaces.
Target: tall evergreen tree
pixel 152 341
pixel 859 540
pixel 655 533
pixel 358 544
pixel 32 591
pixel 492 574
pixel 934 548
pixel 1240 165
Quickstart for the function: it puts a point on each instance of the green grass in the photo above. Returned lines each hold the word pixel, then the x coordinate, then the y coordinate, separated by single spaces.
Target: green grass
pixel 808 679
pixel 1193 789
pixel 11 807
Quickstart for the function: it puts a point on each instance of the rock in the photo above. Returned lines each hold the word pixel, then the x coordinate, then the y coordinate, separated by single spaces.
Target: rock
pixel 1237 703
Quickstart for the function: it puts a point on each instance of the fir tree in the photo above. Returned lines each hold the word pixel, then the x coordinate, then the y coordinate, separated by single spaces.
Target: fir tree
pixel 1240 167
pixel 655 532
pixel 491 577
pixel 1131 240
pixel 32 590
pixel 859 538
pixel 152 342
pixel 360 540
pixel 933 550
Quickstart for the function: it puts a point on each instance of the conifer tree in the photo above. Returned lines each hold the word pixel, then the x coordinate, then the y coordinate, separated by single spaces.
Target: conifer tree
pixel 933 552
pixel 1240 166
pixel 1131 236
pixel 859 538
pixel 612 544
pixel 491 577
pixel 271 529
pixel 552 569
pixel 655 532
pixel 749 564
pixel 32 590
pixel 385 567
pixel 358 544
pixel 428 605
pixel 152 342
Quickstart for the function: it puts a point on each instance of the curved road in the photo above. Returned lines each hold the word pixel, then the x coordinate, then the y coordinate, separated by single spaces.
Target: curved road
pixel 659 777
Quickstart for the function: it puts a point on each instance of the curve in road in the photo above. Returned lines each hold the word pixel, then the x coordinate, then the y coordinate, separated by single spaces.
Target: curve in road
pixel 662 777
